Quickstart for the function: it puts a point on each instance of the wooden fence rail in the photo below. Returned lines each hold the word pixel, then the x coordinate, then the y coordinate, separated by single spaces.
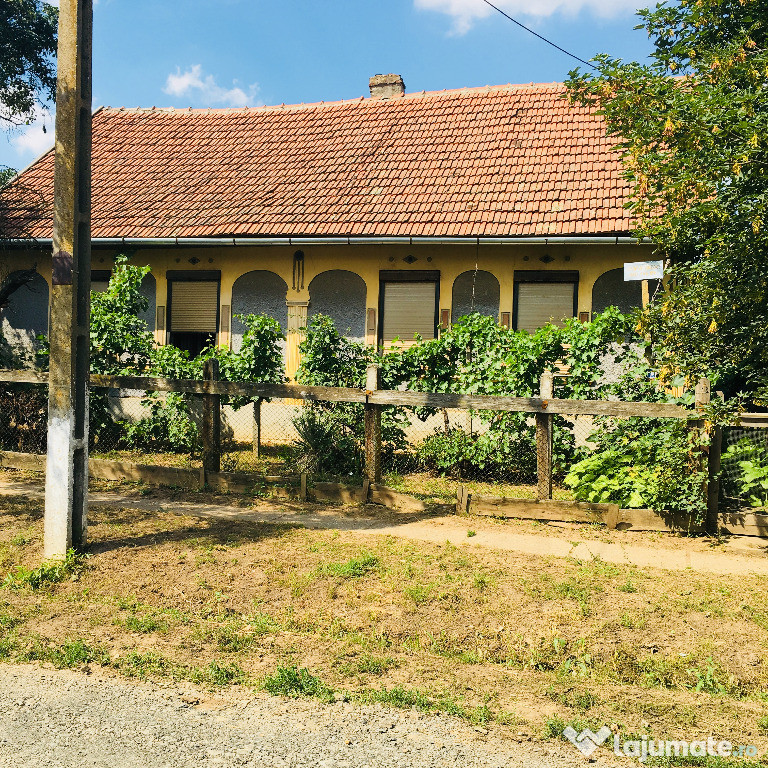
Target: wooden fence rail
pixel 407 399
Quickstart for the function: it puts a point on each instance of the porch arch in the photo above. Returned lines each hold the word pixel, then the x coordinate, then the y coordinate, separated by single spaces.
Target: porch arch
pixel 610 290
pixel 259 292
pixel 341 295
pixel 475 291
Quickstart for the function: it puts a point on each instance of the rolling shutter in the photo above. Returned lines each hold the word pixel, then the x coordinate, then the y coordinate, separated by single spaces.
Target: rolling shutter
pixel 194 307
pixel 542 303
pixel 409 308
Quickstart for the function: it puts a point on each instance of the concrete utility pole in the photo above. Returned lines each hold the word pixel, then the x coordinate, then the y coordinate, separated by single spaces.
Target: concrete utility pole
pixel 66 483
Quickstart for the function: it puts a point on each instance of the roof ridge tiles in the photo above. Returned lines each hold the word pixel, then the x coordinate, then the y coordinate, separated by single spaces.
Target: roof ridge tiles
pixel 464 90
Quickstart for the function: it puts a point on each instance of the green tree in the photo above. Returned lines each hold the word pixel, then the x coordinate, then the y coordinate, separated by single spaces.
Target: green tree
pixel 27 50
pixel 692 126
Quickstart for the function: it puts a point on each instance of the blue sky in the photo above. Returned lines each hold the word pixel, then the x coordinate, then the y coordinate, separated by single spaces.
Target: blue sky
pixel 223 53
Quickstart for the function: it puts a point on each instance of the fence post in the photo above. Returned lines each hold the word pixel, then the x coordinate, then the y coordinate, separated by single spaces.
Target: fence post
pixel 702 399
pixel 256 435
pixel 372 429
pixel 713 472
pixel 211 421
pixel 544 440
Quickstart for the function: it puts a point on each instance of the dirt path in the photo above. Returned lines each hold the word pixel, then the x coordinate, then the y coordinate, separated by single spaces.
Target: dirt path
pixel 739 555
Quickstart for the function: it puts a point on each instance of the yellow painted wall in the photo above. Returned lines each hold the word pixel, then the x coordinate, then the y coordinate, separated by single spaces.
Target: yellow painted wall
pixel 590 261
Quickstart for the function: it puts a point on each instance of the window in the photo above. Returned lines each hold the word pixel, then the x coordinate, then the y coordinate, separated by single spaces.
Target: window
pixel 193 302
pixel 100 280
pixel 544 297
pixel 408 304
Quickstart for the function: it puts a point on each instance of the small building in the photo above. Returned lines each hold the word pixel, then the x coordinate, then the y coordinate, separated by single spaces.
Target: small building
pixel 393 214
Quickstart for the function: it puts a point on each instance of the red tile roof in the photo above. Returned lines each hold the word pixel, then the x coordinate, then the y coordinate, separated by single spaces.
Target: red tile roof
pixel 497 161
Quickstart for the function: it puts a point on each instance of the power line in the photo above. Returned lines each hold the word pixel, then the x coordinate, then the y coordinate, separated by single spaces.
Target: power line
pixel 541 37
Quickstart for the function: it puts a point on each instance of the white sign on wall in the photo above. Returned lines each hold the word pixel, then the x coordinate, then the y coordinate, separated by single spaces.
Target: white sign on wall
pixel 644 270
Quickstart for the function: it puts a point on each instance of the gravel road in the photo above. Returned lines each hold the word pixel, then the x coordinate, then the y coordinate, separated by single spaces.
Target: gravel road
pixel 60 719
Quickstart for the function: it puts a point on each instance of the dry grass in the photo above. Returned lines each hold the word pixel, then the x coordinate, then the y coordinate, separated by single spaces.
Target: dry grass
pixel 497 636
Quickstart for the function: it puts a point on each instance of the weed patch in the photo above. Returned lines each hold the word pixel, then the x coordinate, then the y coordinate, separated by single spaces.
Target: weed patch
pixel 73 653
pixel 218 674
pixel 354 568
pixel 48 573
pixel 145 624
pixel 368 665
pixel 292 681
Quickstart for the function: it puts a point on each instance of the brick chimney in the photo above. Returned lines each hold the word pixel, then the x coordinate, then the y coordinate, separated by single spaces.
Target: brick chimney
pixel 386 87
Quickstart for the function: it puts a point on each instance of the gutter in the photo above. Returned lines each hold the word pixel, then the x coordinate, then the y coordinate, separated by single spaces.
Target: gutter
pixel 160 242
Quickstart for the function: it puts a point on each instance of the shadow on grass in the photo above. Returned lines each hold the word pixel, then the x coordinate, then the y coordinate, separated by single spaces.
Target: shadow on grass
pixel 21 508
pixel 203 535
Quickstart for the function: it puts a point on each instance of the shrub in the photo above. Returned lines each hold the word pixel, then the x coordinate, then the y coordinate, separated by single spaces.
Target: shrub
pixel 643 463
pixel 326 444
pixel 169 426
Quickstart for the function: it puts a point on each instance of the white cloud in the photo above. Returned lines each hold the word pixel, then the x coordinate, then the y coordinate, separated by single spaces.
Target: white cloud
pixel 466 12
pixel 32 140
pixel 203 89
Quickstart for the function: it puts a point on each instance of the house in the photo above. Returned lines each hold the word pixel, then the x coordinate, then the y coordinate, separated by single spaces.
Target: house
pixel 393 214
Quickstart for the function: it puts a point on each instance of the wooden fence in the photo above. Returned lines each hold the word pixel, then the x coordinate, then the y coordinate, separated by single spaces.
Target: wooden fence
pixel 542 408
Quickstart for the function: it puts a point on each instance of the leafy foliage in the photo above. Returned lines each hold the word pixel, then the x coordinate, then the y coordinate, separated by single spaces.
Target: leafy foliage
pixel 121 343
pixel 640 463
pixel 696 154
pixel 326 444
pixel 292 681
pixel 47 573
pixel 27 50
pixel 751 481
pixel 478 356
pixel 330 359
pixel 120 340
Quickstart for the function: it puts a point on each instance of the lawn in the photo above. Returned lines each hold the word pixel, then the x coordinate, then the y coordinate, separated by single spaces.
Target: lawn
pixel 517 643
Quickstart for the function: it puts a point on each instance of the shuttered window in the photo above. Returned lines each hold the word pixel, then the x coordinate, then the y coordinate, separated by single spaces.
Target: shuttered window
pixel 409 308
pixel 100 280
pixel 542 303
pixel 194 307
pixel 99 286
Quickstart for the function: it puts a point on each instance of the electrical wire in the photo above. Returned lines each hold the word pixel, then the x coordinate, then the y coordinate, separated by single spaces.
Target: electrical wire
pixel 541 37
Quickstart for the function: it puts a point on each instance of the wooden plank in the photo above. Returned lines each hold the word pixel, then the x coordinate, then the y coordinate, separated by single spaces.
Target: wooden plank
pixel 243 389
pixel 754 420
pixel 544 425
pixel 526 509
pixel 24 377
pixel 211 427
pixel 181 477
pixel 185 477
pixel 744 523
pixel 372 429
pixel 380 397
pixel 529 404
pixel 650 520
pixel 335 492
pixel 579 512
pixel 380 494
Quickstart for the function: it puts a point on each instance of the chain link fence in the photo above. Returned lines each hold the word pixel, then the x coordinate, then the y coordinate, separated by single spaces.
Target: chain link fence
pixel 23 417
pixel 428 452
pixel 744 468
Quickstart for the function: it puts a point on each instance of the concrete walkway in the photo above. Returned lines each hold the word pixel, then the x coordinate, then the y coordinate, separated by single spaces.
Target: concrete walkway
pixel 669 553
